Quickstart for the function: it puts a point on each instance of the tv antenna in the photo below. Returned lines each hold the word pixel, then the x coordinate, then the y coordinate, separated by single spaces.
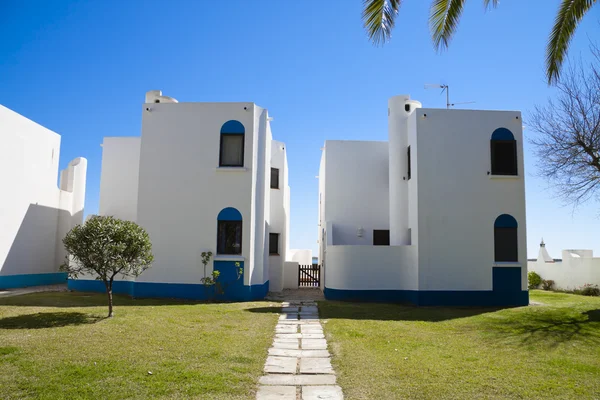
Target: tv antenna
pixel 445 88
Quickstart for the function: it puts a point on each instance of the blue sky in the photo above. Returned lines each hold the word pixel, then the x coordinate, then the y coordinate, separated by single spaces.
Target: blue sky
pixel 81 68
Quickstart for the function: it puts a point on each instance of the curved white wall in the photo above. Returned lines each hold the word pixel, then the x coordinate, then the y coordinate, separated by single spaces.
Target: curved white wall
pixel 398 131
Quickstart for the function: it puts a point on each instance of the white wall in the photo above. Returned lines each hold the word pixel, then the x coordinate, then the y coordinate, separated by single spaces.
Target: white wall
pixel 35 213
pixel 119 177
pixel 301 256
pixel 459 201
pixel 356 187
pixel 577 268
pixel 279 215
pixel 182 189
pixel 371 267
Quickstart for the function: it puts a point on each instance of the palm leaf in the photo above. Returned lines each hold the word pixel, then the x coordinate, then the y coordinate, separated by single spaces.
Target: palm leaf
pixel 444 16
pixel 379 17
pixel 565 24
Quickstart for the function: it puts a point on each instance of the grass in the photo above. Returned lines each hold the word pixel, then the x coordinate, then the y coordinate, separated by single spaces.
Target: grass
pixel 60 346
pixel 383 351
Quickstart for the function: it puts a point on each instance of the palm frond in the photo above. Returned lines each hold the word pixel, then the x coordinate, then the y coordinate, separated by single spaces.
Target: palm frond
pixel 494 3
pixel 379 18
pixel 444 16
pixel 569 14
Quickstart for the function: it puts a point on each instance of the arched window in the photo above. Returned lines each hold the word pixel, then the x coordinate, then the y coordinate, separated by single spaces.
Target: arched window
pixel 232 144
pixel 503 152
pixel 505 239
pixel 229 231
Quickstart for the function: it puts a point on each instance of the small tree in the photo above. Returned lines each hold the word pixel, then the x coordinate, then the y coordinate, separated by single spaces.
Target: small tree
pixel 106 247
pixel 568 144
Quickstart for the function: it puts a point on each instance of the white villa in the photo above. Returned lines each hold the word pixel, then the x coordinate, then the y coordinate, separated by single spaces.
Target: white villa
pixel 35 213
pixel 575 269
pixel 201 177
pixel 434 216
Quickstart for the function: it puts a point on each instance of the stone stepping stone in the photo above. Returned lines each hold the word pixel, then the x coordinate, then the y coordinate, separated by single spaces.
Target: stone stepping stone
pixel 281 365
pixel 322 392
pixel 298 353
pixel 276 393
pixel 311 317
pixel 288 335
pixel 285 317
pixel 292 346
pixel 309 309
pixel 311 328
pixel 289 310
pixel 314 344
pixel 297 380
pixel 315 366
pixel 286 329
pixel 312 336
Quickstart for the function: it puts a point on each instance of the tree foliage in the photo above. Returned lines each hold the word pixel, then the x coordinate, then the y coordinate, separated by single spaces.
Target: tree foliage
pixel 568 140
pixel 379 19
pixel 106 247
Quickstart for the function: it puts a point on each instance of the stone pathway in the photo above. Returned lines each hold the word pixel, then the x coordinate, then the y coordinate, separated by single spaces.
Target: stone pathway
pixel 298 366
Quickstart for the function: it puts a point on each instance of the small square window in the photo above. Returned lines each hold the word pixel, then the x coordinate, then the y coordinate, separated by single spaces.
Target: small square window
pixel 274 243
pixel 381 237
pixel 274 178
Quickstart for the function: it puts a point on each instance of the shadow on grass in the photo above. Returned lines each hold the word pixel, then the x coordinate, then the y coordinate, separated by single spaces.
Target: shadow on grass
pixel 48 320
pixel 549 328
pixel 88 299
pixel 387 312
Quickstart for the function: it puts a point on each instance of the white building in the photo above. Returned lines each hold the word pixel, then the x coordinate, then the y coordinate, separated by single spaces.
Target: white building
pixel 35 213
pixel 202 177
pixel 576 268
pixel 434 216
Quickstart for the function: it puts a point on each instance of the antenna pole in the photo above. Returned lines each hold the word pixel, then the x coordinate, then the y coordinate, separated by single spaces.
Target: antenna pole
pixel 447 97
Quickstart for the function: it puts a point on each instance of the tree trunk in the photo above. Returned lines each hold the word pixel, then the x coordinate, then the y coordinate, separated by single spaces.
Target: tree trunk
pixel 110 299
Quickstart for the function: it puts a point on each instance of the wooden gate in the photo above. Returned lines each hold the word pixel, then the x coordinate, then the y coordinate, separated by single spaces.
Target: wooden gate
pixel 309 275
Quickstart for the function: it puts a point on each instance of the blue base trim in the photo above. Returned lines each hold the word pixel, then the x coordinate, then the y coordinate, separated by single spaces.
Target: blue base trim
pixel 25 280
pixel 172 290
pixel 480 298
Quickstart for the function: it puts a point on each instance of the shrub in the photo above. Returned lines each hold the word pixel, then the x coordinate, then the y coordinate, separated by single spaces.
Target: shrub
pixel 547 284
pixel 534 279
pixel 106 247
pixel 590 290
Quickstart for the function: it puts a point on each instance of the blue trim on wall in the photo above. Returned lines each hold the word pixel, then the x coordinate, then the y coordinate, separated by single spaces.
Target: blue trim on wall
pixel 483 298
pixel 506 221
pixel 235 291
pixel 25 280
pixel 502 134
pixel 229 214
pixel 232 127
pixel 506 293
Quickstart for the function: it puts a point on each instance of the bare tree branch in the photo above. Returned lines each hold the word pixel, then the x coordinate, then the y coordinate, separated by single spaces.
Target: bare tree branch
pixel 568 140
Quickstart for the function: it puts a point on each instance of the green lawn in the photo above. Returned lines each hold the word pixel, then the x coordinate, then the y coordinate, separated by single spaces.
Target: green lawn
pixel 60 346
pixel 383 351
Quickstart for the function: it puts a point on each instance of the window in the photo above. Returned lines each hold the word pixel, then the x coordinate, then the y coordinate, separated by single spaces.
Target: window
pixel 503 152
pixel 381 237
pixel 274 243
pixel 229 231
pixel 505 239
pixel 408 161
pixel 274 178
pixel 232 144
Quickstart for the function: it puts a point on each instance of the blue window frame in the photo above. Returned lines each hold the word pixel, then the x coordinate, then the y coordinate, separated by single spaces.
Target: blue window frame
pixel 503 152
pixel 231 152
pixel 229 231
pixel 506 247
